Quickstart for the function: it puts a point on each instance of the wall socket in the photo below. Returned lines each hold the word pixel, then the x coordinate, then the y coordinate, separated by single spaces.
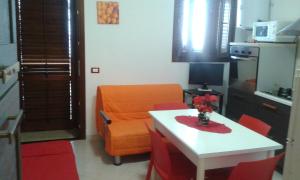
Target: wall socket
pixel 95 70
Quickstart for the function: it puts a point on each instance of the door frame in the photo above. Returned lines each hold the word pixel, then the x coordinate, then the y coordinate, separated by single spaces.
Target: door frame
pixel 81 59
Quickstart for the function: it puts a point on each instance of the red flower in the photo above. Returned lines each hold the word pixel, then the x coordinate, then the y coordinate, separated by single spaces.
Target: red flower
pixel 203 103
pixel 198 100
pixel 213 98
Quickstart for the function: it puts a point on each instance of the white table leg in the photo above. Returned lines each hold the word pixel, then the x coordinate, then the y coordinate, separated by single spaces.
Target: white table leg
pixel 200 170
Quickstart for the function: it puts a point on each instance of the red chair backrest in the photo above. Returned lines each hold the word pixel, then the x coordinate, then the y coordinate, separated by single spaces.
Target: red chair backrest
pixel 255 124
pixel 170 106
pixel 160 155
pixel 255 170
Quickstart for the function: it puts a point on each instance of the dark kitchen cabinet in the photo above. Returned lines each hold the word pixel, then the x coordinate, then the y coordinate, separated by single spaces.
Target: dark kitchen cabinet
pixel 273 113
pixel 240 103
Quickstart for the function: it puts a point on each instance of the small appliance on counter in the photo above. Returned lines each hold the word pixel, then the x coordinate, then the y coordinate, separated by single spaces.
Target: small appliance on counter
pixel 268 32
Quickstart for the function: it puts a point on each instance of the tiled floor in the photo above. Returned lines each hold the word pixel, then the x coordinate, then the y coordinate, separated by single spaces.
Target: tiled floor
pixel 47 135
pixel 94 164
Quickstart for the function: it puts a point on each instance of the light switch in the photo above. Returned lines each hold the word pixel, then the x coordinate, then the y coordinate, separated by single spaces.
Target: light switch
pixel 95 70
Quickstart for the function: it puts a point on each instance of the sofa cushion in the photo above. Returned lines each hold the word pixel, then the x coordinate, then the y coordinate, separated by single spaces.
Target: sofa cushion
pixel 128 137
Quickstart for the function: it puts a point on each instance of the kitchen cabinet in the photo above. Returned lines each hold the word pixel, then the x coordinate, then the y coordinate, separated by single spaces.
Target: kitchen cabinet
pixel 239 103
pixel 273 113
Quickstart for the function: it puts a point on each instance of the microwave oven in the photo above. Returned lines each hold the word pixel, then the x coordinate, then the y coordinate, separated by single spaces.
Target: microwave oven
pixel 268 32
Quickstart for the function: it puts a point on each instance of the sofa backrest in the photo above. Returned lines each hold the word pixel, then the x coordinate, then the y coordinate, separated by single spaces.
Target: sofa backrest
pixel 135 99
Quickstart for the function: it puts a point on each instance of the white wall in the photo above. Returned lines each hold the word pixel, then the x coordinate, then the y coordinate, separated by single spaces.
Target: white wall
pixel 286 10
pixel 137 51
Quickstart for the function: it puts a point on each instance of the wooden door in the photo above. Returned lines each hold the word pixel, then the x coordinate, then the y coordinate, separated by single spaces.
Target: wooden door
pixel 292 159
pixel 47 53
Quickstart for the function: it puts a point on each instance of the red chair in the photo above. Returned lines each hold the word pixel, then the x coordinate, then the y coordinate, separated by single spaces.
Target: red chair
pixel 258 170
pixel 170 106
pixel 169 166
pixel 255 124
pixel 254 170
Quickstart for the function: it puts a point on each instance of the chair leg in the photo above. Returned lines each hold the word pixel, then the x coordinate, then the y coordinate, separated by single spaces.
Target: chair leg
pixel 117 160
pixel 149 168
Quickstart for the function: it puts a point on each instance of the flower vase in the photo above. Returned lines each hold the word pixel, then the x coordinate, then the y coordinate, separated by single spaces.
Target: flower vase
pixel 203 118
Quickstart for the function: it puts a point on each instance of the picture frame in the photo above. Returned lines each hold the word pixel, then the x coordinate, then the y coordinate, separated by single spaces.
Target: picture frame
pixel 108 12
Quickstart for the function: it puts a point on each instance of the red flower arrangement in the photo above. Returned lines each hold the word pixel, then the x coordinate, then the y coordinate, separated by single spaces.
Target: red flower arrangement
pixel 203 103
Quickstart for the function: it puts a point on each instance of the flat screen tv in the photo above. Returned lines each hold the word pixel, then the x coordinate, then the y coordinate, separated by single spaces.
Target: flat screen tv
pixel 206 74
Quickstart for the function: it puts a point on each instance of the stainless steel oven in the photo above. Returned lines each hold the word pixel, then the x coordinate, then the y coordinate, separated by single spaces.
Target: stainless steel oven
pixel 244 64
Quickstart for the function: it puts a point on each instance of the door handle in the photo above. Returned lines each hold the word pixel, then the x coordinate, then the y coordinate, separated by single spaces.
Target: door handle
pixel 243 58
pixel 269 106
pixel 290 141
pixel 12 129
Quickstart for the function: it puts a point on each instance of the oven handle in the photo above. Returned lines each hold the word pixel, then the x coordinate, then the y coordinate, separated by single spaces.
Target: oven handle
pixel 243 58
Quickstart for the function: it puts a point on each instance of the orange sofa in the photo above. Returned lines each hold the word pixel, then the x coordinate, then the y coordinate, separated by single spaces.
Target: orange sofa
pixel 122 111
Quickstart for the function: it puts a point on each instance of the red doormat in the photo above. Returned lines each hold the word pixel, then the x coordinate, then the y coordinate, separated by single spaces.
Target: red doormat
pixel 212 126
pixel 48 161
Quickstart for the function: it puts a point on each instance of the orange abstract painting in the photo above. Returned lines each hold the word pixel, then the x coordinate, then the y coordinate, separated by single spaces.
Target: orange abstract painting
pixel 107 12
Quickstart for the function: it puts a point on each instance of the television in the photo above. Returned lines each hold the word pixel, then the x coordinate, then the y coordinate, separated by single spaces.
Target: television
pixel 206 74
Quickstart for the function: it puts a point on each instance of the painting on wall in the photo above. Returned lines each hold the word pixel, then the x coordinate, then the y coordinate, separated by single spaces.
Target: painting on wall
pixel 107 12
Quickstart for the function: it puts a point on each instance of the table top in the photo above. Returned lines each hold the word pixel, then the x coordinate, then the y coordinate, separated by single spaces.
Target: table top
pixel 206 144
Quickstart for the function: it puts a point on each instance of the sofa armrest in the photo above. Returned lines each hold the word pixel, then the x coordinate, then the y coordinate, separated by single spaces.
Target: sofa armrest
pixel 105 118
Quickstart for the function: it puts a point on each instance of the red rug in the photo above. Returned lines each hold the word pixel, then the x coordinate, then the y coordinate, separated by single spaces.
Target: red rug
pixel 212 126
pixel 48 161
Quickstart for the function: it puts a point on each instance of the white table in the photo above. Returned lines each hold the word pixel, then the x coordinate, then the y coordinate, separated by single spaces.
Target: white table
pixel 212 150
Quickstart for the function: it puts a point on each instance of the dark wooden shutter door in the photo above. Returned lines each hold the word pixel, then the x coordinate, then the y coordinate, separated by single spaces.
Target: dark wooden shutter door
pixel 46 61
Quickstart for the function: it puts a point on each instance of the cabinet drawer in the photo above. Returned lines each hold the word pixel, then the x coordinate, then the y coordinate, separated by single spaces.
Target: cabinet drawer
pixel 275 114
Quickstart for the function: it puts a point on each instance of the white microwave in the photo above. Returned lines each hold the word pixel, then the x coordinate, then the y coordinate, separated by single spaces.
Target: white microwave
pixel 267 32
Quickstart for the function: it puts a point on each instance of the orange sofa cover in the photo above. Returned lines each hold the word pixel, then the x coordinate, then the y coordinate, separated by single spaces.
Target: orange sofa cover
pixel 127 107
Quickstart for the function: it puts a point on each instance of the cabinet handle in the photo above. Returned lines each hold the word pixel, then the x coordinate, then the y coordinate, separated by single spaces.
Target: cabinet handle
pixel 269 106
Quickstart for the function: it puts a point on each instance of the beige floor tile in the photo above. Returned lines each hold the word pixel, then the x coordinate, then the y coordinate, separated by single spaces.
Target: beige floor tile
pixel 94 164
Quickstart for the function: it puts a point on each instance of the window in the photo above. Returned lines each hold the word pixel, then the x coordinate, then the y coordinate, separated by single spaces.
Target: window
pixel 202 29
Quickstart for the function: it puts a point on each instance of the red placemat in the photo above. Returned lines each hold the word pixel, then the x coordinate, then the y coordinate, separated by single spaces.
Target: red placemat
pixel 212 126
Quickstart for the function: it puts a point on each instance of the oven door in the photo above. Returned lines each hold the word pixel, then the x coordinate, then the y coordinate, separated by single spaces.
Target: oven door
pixel 243 69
